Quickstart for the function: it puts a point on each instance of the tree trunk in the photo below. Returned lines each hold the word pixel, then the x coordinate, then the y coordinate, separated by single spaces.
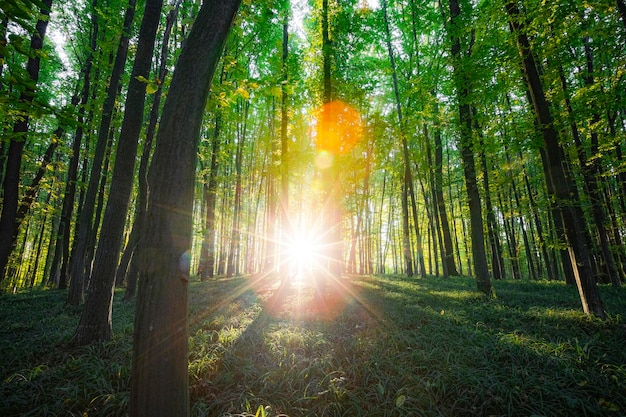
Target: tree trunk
pixel 441 203
pixel 62 246
pixel 562 185
pixel 481 269
pixel 159 383
pixel 235 240
pixel 85 221
pixel 497 261
pixel 592 178
pixel 285 225
pixel 10 196
pixel 142 199
pixel 407 184
pixel 208 264
pixel 330 175
pixel 95 321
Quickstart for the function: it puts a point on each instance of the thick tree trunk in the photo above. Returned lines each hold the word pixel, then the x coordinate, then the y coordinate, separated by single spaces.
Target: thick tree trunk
pixel 159 383
pixel 85 221
pixel 10 196
pixel 562 185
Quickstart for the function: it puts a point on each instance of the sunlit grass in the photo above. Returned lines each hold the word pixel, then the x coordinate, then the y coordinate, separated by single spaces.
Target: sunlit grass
pixel 385 346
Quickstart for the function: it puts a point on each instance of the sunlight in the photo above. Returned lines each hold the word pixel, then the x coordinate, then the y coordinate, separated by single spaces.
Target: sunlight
pixel 303 254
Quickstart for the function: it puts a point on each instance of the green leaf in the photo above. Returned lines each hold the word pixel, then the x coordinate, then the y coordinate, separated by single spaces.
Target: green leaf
pixel 151 88
pixel 400 400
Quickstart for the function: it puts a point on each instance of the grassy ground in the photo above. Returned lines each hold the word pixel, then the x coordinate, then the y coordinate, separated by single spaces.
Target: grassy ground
pixel 381 346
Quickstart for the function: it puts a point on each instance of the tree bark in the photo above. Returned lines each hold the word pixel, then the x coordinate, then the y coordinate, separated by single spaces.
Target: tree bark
pixel 85 221
pixel 330 175
pixel 481 269
pixel 95 321
pixel 132 272
pixel 441 203
pixel 407 183
pixel 10 197
pixel 61 252
pixel 563 187
pixel 285 225
pixel 159 383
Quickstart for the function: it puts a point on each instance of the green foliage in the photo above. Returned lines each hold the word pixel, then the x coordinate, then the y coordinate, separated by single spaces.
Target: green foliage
pixel 396 347
pixel 41 376
pixel 22 12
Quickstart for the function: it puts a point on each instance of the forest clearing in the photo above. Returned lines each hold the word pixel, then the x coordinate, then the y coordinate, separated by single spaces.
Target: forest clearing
pixel 389 346
pixel 450 172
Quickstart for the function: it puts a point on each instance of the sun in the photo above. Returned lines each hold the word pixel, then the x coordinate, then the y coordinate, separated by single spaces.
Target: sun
pixel 303 252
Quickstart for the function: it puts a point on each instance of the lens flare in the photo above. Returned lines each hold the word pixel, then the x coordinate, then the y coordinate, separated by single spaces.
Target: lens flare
pixel 338 128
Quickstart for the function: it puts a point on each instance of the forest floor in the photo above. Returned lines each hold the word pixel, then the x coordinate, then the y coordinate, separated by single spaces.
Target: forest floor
pixel 378 346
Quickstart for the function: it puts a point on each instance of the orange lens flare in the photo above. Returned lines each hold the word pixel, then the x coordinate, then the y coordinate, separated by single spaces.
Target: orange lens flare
pixel 338 128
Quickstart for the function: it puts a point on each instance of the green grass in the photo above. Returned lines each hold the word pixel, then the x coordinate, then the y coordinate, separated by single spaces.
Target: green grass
pixel 382 346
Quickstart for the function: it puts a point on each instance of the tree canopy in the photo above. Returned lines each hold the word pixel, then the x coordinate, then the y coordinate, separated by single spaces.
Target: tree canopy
pixel 466 138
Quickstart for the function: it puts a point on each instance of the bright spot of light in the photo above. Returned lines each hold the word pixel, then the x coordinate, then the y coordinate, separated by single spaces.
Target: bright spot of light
pixel 303 252
pixel 337 127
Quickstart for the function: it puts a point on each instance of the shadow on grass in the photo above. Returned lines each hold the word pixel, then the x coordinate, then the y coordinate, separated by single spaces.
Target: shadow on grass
pixel 393 346
pixel 378 346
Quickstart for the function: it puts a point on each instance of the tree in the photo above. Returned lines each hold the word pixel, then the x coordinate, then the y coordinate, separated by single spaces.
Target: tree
pixel 124 270
pixel 61 258
pixel 559 181
pixel 95 320
pixel 159 384
pixel 80 270
pixel 10 202
pixel 463 86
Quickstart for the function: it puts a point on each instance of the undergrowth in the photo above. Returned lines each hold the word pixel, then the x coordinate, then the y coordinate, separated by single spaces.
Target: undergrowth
pixel 379 346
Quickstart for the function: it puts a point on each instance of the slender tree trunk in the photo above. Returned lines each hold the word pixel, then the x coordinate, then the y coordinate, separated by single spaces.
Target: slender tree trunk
pixel 142 198
pixel 592 180
pixel 285 225
pixel 551 268
pixel 441 203
pixel 481 269
pixel 497 261
pixel 330 175
pixel 95 321
pixel 42 229
pixel 85 226
pixel 235 242
pixel 520 209
pixel 209 268
pixel 159 383
pixel 10 195
pixel 562 185
pixel 509 233
pixel 62 247
pixel 407 184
